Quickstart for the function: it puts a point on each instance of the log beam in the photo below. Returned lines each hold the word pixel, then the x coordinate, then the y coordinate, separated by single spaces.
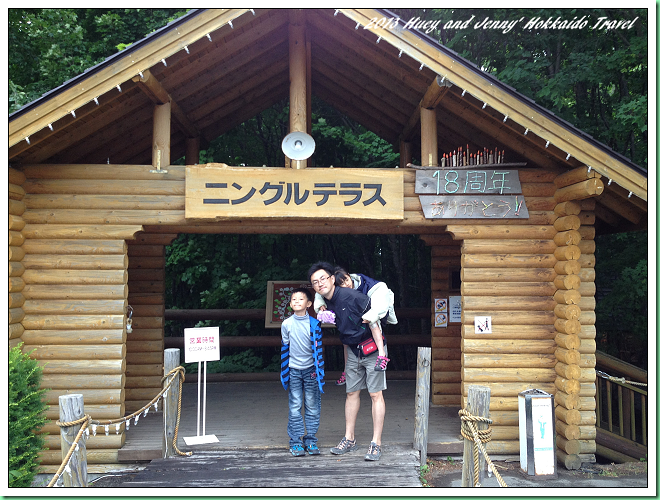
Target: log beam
pixel 298 79
pixel 429 126
pixel 153 89
pixel 432 97
pixel 162 135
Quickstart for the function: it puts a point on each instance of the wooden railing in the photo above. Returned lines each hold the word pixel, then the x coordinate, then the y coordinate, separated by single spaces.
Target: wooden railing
pixel 621 409
pixel 275 339
pixel 265 341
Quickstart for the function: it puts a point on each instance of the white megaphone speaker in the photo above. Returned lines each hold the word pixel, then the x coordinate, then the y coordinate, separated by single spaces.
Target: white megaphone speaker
pixel 298 145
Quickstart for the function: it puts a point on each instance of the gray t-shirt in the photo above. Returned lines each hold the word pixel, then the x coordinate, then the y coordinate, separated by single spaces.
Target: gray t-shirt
pixel 295 332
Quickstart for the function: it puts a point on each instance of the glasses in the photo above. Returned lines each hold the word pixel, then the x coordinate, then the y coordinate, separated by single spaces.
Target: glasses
pixel 320 281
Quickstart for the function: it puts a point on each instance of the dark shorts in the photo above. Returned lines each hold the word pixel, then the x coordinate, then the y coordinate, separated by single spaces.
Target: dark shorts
pixel 360 373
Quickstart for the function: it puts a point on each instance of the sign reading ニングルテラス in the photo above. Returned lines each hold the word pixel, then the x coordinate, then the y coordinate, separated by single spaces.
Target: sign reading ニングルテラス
pixel 478 193
pixel 221 192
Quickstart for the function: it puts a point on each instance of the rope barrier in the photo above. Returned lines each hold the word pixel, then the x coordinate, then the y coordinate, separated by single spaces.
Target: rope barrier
pixel 65 463
pixel 621 380
pixel 470 432
pixel 88 421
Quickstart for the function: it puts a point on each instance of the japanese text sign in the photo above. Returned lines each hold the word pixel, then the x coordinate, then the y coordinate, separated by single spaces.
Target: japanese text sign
pixel 221 192
pixel 202 344
pixel 467 182
pixel 471 194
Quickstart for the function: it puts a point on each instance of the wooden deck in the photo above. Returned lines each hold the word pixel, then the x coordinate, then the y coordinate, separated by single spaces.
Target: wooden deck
pixel 253 416
pixel 268 468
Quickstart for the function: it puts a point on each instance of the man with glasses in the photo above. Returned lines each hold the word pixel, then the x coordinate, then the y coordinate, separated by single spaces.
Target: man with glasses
pixel 349 307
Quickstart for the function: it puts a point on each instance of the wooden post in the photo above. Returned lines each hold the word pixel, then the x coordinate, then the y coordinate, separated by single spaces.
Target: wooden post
pixel 478 404
pixel 429 132
pixel 405 153
pixel 192 150
pixel 72 408
pixel 297 79
pixel 422 391
pixel 161 136
pixel 172 357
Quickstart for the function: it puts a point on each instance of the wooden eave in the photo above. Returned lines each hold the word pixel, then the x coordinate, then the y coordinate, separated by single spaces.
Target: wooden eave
pixel 514 108
pixel 377 78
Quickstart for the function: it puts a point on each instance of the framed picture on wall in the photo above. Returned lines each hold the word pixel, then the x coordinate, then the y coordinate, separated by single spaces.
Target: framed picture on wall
pixel 278 298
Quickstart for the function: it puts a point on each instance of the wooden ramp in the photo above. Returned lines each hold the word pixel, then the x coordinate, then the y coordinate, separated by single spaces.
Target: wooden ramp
pixel 253 415
pixel 397 468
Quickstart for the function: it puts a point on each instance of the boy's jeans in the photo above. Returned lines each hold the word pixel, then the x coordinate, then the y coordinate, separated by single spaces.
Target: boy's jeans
pixel 303 382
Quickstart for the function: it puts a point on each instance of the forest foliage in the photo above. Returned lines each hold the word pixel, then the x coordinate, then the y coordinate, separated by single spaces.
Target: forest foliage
pixel 594 79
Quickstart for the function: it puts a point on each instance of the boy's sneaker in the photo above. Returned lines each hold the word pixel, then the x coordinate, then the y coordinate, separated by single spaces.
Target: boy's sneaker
pixel 312 449
pixel 297 450
pixel 341 380
pixel 344 446
pixel 381 363
pixel 374 452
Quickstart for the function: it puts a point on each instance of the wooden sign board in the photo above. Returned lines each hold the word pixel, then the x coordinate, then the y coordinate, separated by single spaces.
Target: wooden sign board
pixel 221 192
pixel 278 298
pixel 474 207
pixel 461 182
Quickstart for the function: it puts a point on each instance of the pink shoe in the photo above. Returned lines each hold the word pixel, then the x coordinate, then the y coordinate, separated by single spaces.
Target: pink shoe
pixel 381 363
pixel 342 379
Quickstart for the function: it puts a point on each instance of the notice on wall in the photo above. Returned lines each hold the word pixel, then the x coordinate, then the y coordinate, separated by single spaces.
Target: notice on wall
pixel 482 324
pixel 441 320
pixel 202 344
pixel 455 309
pixel 218 191
pixel 440 310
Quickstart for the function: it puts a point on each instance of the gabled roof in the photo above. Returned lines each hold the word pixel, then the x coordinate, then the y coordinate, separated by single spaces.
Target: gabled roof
pixel 220 67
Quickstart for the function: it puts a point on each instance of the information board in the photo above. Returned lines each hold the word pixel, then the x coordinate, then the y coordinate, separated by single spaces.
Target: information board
pixel 202 344
pixel 278 298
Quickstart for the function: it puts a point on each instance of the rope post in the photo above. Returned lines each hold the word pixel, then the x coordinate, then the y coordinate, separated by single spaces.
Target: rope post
pixel 478 403
pixel 72 408
pixel 422 391
pixel 171 361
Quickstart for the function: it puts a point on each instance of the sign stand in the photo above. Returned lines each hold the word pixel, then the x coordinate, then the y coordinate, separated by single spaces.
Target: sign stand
pixel 202 345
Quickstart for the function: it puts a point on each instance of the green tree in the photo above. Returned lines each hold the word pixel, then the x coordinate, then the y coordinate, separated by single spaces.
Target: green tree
pixel 622 296
pixel 26 416
pixel 595 79
pixel 51 46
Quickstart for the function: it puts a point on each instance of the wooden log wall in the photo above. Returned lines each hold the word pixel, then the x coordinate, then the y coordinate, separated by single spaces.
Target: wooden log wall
pixel 76 289
pixel 16 253
pixel 145 344
pixel 445 342
pixel 575 322
pixel 508 273
pixel 75 302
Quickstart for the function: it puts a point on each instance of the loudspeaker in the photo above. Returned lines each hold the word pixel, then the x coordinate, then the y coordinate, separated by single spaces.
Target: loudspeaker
pixel 298 145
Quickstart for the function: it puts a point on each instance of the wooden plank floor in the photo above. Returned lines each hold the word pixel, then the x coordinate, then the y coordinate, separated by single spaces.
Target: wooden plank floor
pixel 398 467
pixel 253 415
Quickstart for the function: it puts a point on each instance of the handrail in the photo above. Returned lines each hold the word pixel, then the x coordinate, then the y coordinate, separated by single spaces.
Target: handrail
pixel 620 405
pixel 256 314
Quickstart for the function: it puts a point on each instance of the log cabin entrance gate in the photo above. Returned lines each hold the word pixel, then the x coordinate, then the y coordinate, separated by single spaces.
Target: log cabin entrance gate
pixel 94 200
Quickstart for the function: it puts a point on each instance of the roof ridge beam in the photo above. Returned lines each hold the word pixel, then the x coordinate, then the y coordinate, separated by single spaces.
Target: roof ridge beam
pixel 150 85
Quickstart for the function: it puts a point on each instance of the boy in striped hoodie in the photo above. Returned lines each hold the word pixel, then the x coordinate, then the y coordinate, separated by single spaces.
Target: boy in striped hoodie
pixel 302 373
